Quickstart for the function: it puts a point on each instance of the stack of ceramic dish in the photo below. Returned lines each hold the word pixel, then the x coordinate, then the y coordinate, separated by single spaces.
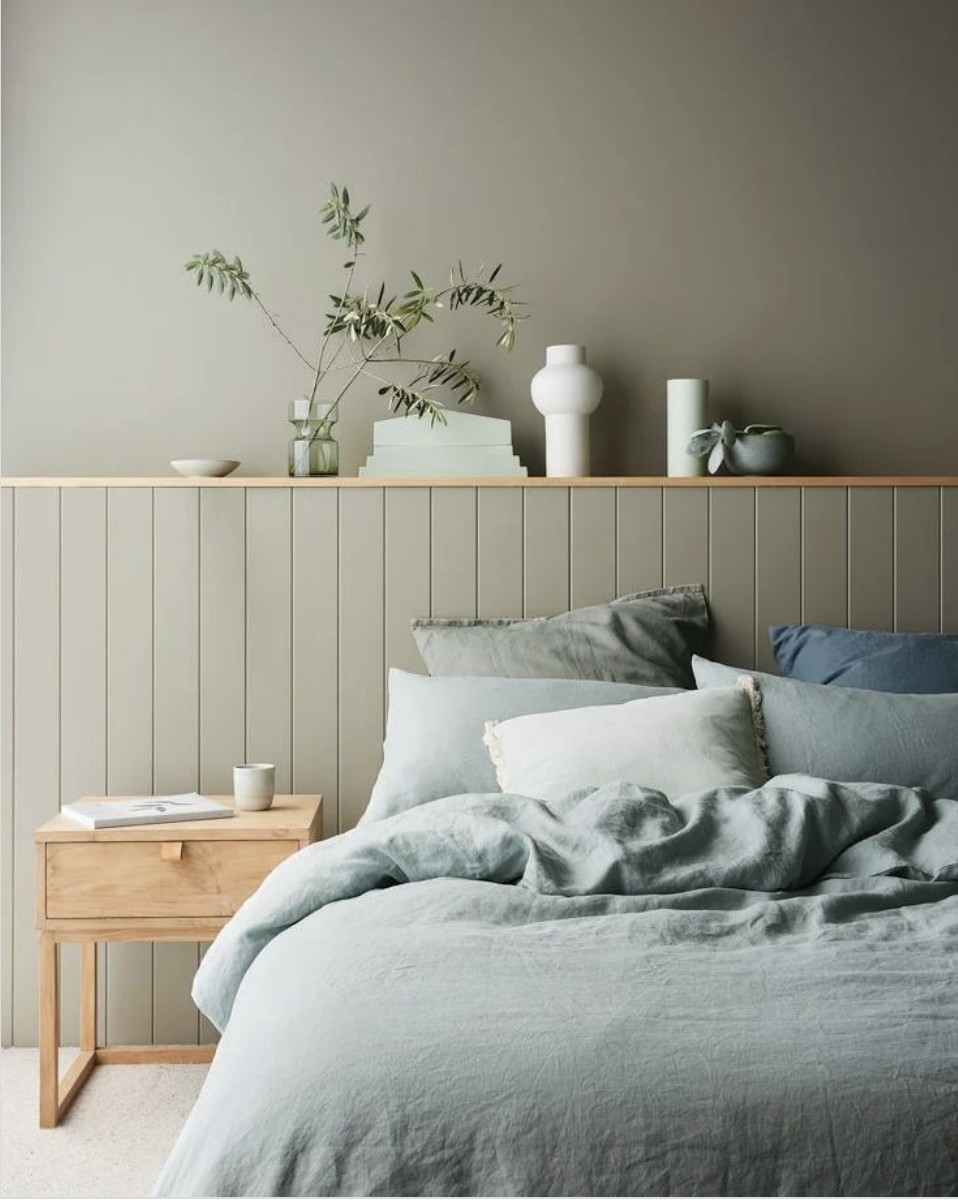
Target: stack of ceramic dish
pixel 467 445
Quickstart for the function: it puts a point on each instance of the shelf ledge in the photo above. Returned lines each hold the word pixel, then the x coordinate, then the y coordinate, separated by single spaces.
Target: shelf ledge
pixel 616 481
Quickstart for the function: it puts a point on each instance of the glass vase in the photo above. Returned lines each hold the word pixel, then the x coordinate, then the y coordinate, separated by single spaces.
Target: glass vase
pixel 314 450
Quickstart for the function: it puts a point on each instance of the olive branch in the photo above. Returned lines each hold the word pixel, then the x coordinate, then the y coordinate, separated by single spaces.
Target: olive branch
pixel 370 328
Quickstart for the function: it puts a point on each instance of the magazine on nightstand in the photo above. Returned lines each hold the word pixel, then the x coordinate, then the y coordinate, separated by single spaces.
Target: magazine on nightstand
pixel 145 810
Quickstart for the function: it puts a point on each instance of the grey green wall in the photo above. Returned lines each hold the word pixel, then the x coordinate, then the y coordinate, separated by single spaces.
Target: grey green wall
pixel 761 191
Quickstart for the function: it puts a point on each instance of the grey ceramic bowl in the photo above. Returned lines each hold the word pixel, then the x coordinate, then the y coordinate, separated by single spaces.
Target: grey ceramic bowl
pixel 760 453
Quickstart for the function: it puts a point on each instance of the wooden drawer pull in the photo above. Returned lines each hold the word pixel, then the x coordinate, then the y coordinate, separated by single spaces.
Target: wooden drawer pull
pixel 171 851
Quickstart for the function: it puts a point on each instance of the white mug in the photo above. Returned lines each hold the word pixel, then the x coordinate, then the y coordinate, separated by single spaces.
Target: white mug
pixel 253 786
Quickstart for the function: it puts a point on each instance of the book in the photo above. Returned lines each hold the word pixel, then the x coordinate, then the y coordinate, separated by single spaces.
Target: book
pixel 145 810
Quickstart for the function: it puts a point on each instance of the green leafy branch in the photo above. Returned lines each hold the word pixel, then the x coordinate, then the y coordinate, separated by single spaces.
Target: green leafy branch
pixel 344 224
pixel 371 329
pixel 435 374
pixel 213 269
pixel 463 292
pixel 480 293
pixel 231 279
pixel 362 319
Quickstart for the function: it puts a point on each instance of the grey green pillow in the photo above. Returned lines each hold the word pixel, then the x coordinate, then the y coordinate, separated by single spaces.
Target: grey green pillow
pixel 435 728
pixel 645 638
pixel 850 734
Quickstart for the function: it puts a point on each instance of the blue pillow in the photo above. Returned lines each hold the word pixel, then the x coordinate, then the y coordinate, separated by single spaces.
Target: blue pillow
pixel 864 658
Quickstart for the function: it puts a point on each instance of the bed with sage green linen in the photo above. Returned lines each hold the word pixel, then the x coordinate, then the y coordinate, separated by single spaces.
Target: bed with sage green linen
pixel 736 993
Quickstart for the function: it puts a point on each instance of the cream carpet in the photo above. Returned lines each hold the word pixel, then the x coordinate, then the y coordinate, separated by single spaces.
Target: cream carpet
pixel 111 1143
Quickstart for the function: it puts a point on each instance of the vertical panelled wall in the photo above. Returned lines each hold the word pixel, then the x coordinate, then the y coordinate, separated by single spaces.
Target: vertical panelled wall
pixel 152 637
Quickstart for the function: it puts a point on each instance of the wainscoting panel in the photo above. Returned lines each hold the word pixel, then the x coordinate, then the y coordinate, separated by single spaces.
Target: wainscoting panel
pixel 545 568
pixel 871 558
pixel 154 633
pixel 949 560
pixel 362 658
pixel 499 559
pixel 36 723
pixel 408 572
pixel 269 616
pixel 731 578
pixel 778 566
pixel 129 729
pixel 917 558
pixel 82 687
pixel 315 654
pixel 176 721
pixel 222 648
pixel 685 536
pixel 454 590
pixel 6 766
pixel 638 539
pixel 825 556
pixel 592 545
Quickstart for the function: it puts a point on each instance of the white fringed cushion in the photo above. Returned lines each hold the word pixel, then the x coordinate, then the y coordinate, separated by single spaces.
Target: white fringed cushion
pixel 676 744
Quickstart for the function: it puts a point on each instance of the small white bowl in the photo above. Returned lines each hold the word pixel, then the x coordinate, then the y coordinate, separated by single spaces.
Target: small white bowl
pixel 214 468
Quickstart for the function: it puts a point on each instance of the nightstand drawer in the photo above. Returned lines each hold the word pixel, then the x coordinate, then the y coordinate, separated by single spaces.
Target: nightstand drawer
pixel 156 879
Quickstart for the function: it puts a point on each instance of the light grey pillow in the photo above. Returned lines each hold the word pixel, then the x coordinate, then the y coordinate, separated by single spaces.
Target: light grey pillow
pixel 850 734
pixel 648 637
pixel 435 726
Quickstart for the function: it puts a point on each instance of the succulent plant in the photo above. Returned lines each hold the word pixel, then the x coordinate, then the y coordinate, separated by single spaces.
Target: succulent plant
pixel 720 437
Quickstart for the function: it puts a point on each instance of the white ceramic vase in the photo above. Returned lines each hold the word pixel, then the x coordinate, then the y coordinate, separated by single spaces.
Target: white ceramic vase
pixel 687 413
pixel 566 391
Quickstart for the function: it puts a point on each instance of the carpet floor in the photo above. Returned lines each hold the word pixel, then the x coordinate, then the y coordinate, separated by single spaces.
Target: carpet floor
pixel 111 1143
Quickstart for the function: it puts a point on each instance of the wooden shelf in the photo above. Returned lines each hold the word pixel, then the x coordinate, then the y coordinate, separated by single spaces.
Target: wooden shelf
pixel 623 481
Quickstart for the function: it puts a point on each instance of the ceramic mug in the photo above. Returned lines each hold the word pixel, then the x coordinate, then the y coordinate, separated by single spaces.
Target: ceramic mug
pixel 254 785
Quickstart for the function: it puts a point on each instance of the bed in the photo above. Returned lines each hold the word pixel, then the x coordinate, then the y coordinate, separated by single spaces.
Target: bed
pixel 736 990
pixel 594 998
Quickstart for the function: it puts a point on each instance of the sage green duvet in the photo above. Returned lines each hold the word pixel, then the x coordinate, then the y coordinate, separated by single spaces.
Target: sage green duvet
pixel 739 993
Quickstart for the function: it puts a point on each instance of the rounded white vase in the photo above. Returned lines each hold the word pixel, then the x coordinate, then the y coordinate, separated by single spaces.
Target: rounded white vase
pixel 566 391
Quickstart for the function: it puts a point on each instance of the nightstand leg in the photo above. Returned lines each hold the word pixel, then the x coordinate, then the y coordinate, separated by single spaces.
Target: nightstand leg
pixel 88 996
pixel 49 1030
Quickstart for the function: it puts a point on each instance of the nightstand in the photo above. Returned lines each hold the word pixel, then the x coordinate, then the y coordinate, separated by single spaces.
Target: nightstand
pixel 180 881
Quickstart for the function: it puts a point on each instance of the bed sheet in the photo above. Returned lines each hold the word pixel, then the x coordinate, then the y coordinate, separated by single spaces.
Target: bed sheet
pixel 741 993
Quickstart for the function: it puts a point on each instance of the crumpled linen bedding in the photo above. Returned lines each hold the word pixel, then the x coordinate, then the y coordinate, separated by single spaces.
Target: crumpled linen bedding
pixel 736 993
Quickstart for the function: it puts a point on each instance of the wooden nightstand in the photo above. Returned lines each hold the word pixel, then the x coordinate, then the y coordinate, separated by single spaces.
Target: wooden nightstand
pixel 181 881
